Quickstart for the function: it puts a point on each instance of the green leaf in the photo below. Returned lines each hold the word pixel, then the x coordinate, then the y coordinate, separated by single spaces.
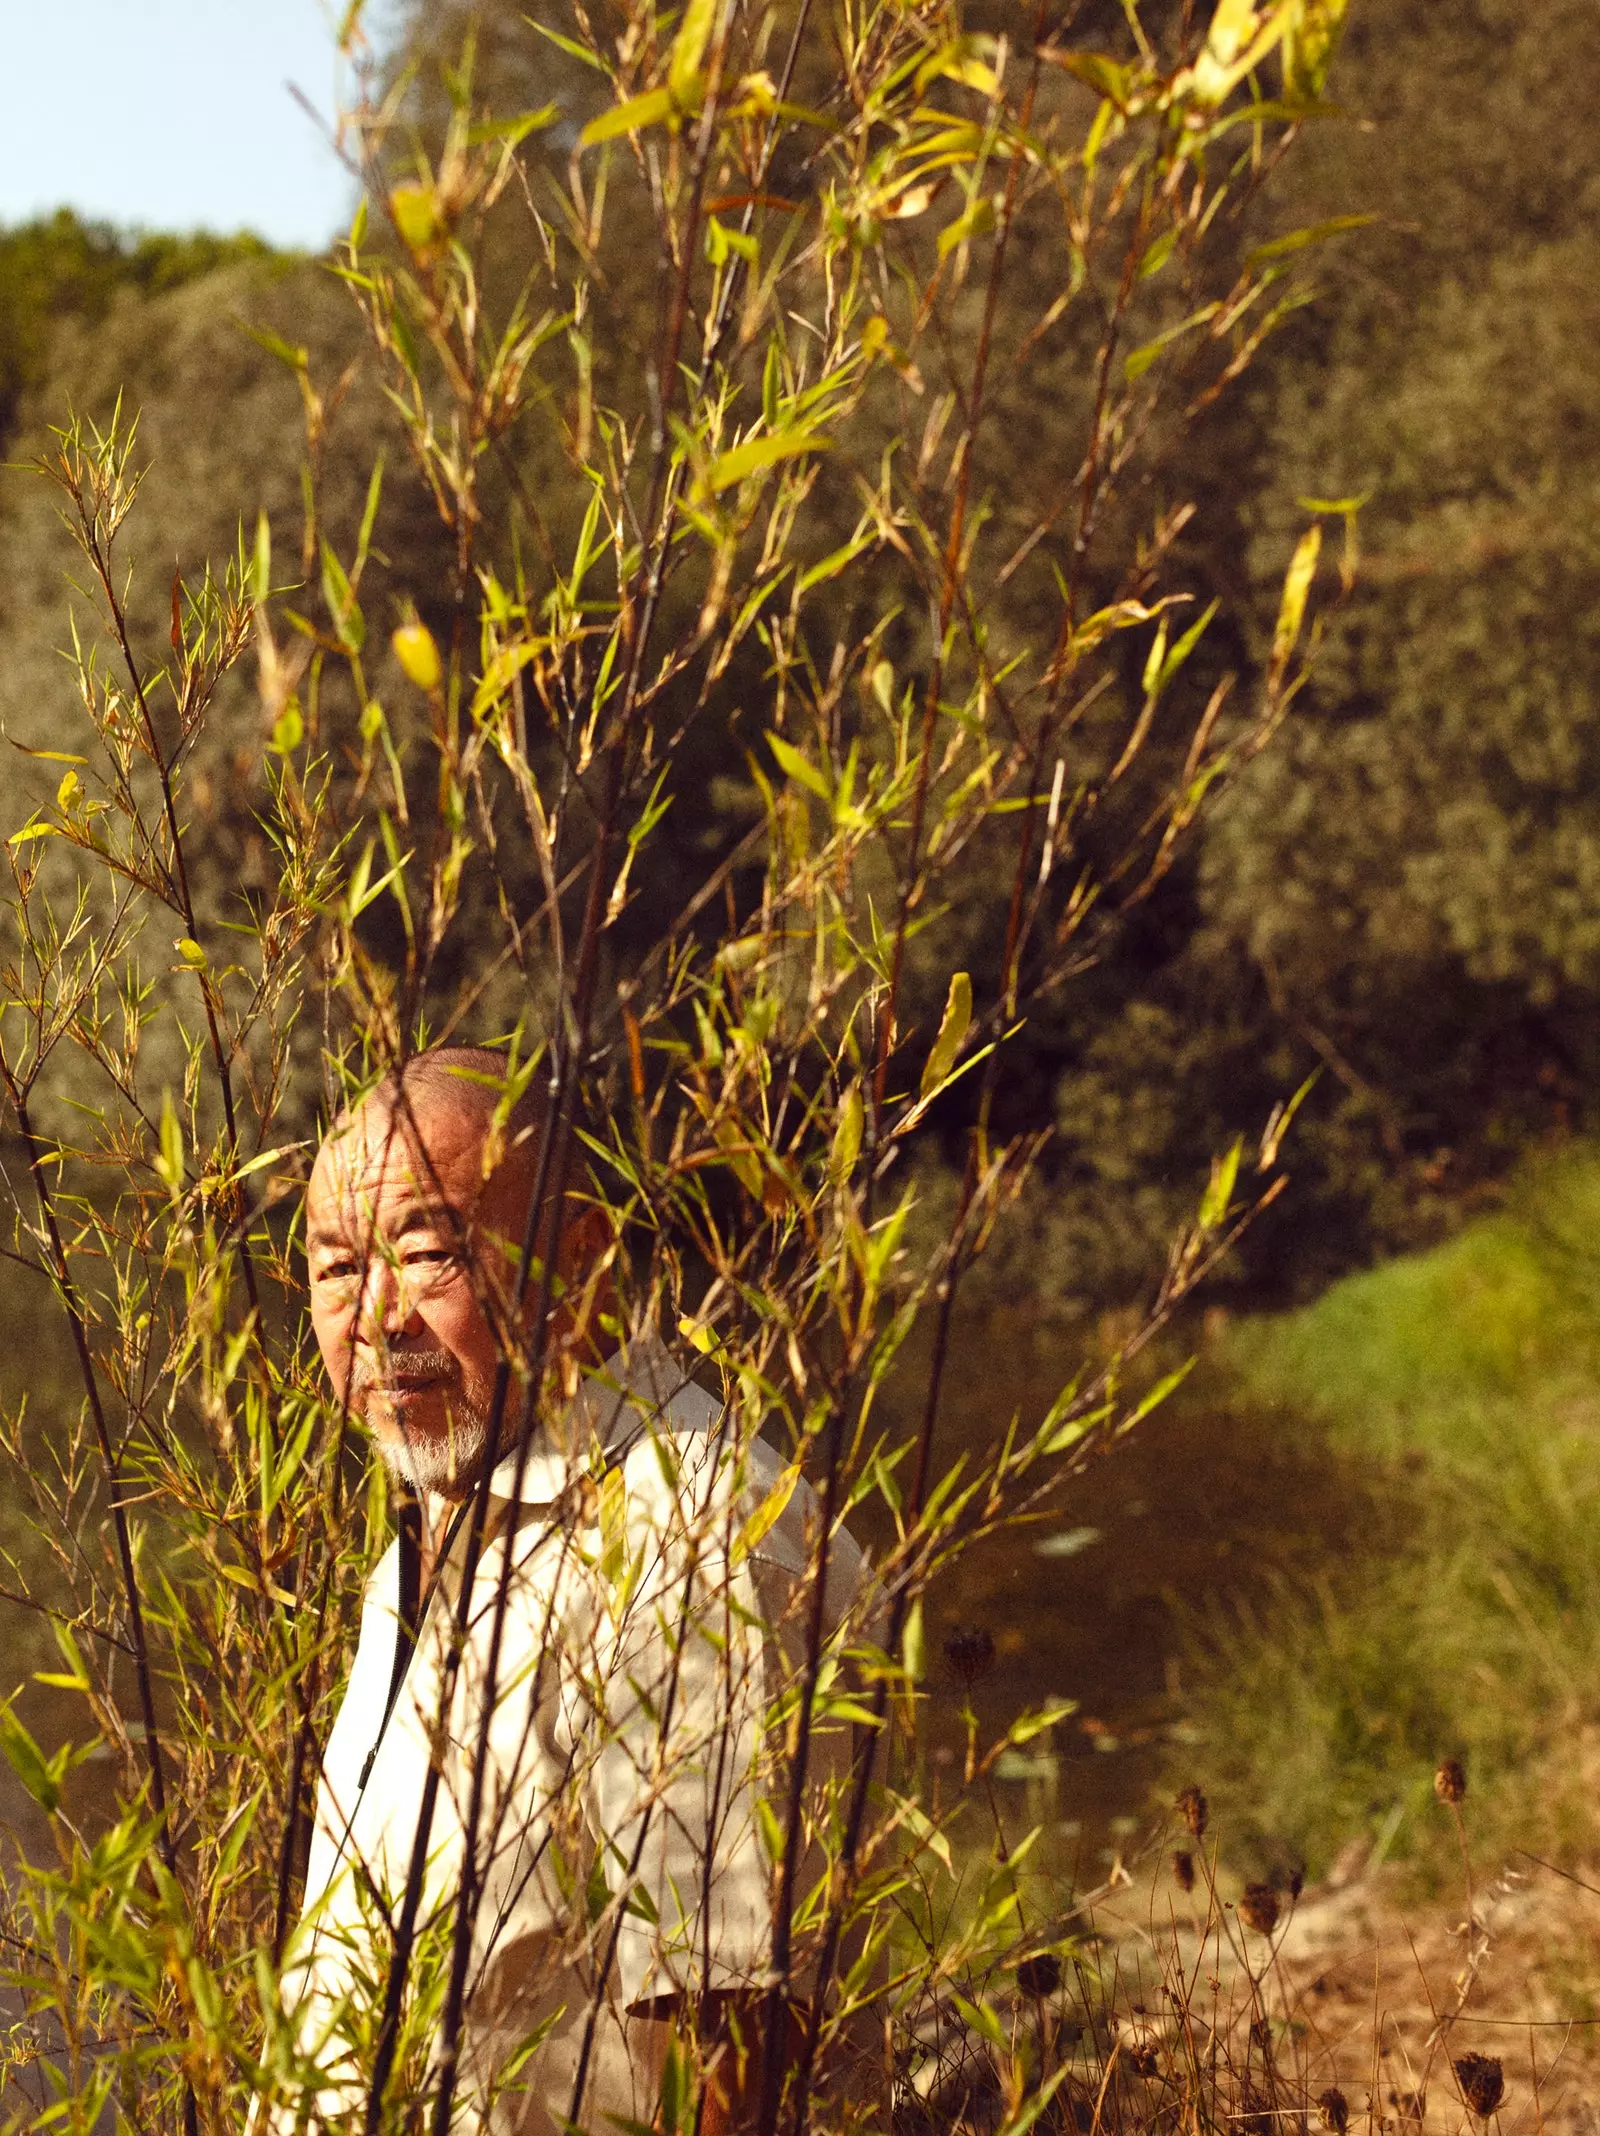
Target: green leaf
pixel 914 1643
pixel 1136 364
pixel 1028 1725
pixel 755 456
pixel 846 1147
pixel 169 1156
pixel 1158 255
pixel 631 117
pixel 1313 234
pixel 289 728
pixel 349 625
pixel 516 129
pixel 797 767
pixel 952 1030
pixel 1218 1197
pixel 973 221
pixel 41 1776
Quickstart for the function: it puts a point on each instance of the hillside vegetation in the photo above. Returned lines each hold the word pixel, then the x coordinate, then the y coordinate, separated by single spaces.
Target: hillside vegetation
pixel 1400 893
pixel 1459 1390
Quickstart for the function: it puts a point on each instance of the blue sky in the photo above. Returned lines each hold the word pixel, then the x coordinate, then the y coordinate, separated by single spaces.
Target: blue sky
pixel 174 114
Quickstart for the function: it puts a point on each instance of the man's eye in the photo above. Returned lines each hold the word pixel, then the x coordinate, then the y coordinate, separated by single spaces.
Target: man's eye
pixel 430 1257
pixel 337 1272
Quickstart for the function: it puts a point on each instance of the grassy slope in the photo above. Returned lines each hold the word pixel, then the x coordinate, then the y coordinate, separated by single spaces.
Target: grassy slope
pixel 1463 1387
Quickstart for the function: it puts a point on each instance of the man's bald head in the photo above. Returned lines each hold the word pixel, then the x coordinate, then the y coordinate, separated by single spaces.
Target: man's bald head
pixel 471 1082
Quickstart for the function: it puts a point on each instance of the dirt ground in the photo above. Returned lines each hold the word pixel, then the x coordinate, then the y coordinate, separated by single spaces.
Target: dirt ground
pixel 1364 1987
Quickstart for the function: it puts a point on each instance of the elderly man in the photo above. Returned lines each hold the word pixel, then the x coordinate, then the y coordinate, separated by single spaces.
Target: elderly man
pixel 609 1670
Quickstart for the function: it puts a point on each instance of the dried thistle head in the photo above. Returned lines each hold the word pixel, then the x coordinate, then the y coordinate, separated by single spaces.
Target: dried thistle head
pixel 1193 1808
pixel 1183 1870
pixel 969 1654
pixel 1144 2059
pixel 1039 1975
pixel 1450 1781
pixel 1482 2081
pixel 1333 2110
pixel 1258 1908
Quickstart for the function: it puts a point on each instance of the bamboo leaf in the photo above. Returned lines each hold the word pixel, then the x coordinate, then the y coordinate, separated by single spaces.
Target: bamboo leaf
pixel 1218 1197
pixel 846 1146
pixel 689 49
pixel 952 1030
pixel 38 1774
pixel 767 1514
pixel 1296 590
pixel 755 456
pixel 973 221
pixel 631 117
pixel 797 767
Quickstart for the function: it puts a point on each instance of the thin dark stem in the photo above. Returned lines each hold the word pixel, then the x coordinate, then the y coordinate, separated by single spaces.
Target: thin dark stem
pixel 137 1642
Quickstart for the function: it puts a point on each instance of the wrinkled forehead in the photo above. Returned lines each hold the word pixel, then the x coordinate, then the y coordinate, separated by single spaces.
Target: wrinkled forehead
pixel 382 1162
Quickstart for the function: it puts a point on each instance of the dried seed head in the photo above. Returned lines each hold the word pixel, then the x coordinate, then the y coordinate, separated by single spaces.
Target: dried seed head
pixel 1297 1883
pixel 1482 2082
pixel 1333 2110
pixel 1255 2115
pixel 1144 2060
pixel 1258 1908
pixel 1194 1810
pixel 1450 1781
pixel 1261 2035
pixel 969 1655
pixel 1040 1975
pixel 1183 1870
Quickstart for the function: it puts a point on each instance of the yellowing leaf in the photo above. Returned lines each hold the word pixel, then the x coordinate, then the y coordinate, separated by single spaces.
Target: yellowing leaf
pixel 689 48
pixel 191 952
pixel 418 655
pixel 414 204
pixel 952 1030
pixel 1296 589
pixel 914 1643
pixel 1309 43
pixel 67 791
pixel 768 1513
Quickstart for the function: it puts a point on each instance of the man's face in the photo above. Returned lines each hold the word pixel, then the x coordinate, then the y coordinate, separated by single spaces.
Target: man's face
pixel 405 1240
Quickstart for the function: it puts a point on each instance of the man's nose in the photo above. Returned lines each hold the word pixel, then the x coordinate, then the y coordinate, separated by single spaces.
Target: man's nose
pixel 388 1302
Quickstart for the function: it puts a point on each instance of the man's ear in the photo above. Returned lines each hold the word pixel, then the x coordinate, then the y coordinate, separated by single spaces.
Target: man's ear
pixel 585 1236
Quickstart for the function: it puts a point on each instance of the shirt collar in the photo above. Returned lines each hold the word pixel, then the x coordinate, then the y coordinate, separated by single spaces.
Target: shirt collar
pixel 612 1407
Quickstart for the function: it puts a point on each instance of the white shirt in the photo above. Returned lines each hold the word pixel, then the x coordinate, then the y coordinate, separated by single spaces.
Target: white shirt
pixel 655 1619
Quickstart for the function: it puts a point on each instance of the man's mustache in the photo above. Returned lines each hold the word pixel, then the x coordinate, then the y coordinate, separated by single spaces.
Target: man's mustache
pixel 401 1368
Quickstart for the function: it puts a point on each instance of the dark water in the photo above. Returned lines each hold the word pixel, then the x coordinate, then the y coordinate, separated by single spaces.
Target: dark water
pixel 1200 1510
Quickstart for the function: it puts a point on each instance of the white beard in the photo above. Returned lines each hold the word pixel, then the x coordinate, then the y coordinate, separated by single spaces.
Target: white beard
pixel 445 1465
